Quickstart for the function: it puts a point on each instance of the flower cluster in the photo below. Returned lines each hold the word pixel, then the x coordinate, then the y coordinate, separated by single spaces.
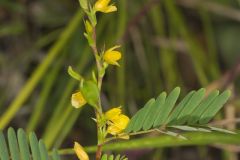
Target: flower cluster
pixel 116 121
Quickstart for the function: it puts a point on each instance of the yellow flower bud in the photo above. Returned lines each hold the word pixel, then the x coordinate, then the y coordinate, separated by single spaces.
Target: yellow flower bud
pixel 102 6
pixel 78 100
pixel 88 27
pixel 81 154
pixel 111 56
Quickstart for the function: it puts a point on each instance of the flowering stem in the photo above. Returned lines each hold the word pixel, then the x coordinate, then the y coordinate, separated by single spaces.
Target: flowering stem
pixel 99 152
pixel 100 78
pixel 98 62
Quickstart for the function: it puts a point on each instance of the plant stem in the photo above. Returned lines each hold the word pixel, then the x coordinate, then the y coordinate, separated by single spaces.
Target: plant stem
pixel 100 78
pixel 99 152
pixel 99 65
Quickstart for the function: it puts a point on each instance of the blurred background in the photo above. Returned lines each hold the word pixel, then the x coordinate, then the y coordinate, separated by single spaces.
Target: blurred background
pixel 165 43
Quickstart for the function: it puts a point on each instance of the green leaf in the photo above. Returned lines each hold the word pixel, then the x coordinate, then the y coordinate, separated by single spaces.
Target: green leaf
pixel 23 145
pixel 118 157
pixel 200 129
pixel 104 157
pixel 194 108
pixel 90 92
pixel 192 129
pixel 221 130
pixel 55 155
pixel 34 146
pixel 190 106
pixel 164 110
pixel 185 128
pixel 74 74
pixel 215 106
pixel 43 151
pixel 202 107
pixel 173 117
pixel 19 147
pixel 152 114
pixel 142 115
pixel 132 124
pixel 173 134
pixel 3 145
pixel 111 157
pixel 123 158
pixel 13 144
pixel 135 118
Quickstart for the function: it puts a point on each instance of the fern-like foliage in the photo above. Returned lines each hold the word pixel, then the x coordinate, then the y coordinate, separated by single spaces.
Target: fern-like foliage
pixel 192 113
pixel 111 157
pixel 23 147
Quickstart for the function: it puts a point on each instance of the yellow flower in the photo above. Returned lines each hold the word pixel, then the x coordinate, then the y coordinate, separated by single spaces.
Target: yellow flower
pixel 81 154
pixel 117 121
pixel 111 56
pixel 102 6
pixel 118 125
pixel 78 100
pixel 113 113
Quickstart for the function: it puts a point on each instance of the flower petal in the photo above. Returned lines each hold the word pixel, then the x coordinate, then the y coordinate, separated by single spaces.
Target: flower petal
pixel 121 122
pixel 110 8
pixel 113 113
pixel 118 124
pixel 77 100
pixel 101 5
pixel 113 130
pixel 81 154
pixel 113 48
pixel 111 57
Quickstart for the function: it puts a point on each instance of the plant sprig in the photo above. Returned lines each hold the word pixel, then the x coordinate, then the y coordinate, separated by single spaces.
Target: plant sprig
pixel 113 121
pixel 160 115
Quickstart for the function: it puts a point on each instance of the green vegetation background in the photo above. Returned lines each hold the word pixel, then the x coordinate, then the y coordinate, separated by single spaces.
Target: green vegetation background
pixel 165 43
